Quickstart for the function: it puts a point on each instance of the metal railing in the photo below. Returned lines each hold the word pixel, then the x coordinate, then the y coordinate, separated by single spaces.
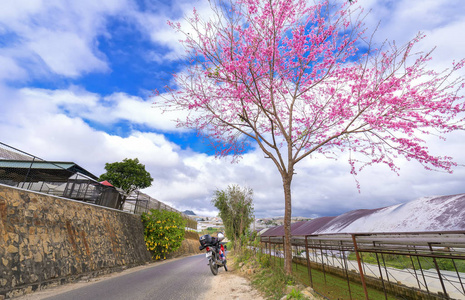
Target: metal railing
pixel 424 265
pixel 139 203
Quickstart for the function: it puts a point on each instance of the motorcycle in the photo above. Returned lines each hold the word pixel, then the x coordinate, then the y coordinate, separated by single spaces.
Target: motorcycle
pixel 216 254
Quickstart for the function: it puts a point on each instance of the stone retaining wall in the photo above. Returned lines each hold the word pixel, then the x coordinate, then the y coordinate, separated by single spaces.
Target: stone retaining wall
pixel 47 240
pixel 189 246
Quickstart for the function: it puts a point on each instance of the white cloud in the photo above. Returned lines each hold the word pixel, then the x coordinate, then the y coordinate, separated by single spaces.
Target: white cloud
pixel 36 123
pixel 400 21
pixel 155 24
pixel 66 53
pixel 120 106
pixel 57 37
pixel 77 103
pixel 10 70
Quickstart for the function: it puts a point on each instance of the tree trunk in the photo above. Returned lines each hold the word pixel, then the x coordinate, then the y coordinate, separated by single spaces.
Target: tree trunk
pixel 287 224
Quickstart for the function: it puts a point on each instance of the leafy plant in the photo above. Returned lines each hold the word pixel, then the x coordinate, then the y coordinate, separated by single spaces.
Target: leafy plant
pixel 295 294
pixel 163 233
pixel 236 211
pixel 265 261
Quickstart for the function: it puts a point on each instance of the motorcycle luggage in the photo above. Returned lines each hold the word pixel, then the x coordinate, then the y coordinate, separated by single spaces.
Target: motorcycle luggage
pixel 205 240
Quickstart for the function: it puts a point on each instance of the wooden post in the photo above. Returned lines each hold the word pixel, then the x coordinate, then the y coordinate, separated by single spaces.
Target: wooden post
pixel 308 262
pixel 362 277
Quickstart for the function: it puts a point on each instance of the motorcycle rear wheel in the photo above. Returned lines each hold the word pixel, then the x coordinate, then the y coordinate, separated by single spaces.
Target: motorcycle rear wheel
pixel 225 268
pixel 213 266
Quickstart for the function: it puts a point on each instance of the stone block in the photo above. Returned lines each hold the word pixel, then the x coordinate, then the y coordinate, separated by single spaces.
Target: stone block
pixel 12 249
pixel 38 257
pixel 13 237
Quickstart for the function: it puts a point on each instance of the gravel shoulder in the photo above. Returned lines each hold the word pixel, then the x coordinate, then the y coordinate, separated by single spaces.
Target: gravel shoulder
pixel 228 285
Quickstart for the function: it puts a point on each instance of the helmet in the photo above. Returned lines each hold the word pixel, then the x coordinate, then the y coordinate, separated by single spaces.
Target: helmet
pixel 220 236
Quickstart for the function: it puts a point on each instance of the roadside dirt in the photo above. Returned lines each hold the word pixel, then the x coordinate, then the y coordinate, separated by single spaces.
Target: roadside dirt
pixel 228 285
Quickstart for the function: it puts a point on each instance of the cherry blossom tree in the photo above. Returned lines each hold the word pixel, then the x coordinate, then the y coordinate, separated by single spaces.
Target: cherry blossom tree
pixel 301 80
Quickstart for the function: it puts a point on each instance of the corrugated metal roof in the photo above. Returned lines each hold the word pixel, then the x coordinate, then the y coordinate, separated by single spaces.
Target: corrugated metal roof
pixel 312 226
pixel 430 214
pixel 274 231
pixel 35 164
pixel 59 168
pixel 348 218
pixel 9 154
pixel 279 230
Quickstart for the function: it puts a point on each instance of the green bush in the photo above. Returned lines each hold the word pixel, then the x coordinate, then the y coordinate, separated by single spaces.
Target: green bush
pixel 265 261
pixel 163 233
pixel 295 294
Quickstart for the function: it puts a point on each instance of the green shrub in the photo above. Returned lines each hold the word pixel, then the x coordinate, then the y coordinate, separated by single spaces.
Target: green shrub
pixel 163 233
pixel 295 294
pixel 265 261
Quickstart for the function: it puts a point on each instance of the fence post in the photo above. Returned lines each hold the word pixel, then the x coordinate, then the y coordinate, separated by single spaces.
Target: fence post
pixel 439 272
pixel 420 267
pixel 308 262
pixel 269 246
pixel 322 261
pixel 413 266
pixel 28 171
pixel 381 273
pixel 360 267
pixel 346 268
pixel 284 253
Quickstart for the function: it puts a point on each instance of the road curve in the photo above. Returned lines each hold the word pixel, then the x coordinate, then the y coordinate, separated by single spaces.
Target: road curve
pixel 185 278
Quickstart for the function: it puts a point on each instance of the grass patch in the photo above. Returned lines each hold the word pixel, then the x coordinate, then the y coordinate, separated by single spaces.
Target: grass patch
pixel 270 281
pixel 335 287
pixel 269 278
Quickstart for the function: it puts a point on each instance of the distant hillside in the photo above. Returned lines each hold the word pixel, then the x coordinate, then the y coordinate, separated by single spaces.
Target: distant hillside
pixel 189 213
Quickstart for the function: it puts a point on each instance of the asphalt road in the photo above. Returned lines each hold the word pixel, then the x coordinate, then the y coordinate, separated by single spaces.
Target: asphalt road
pixel 185 278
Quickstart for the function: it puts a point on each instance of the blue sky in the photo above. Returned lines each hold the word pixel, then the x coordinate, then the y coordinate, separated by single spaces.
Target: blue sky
pixel 76 81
